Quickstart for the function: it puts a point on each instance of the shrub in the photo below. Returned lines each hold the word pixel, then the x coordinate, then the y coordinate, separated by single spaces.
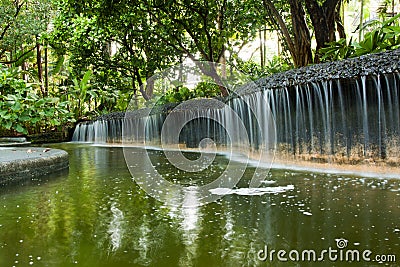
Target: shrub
pixel 386 37
pixel 24 111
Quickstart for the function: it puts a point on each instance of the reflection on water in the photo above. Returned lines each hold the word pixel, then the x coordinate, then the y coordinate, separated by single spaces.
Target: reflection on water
pixel 115 228
pixel 95 215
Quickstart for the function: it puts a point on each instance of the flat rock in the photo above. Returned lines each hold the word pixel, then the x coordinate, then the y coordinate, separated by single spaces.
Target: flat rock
pixel 24 163
pixel 13 141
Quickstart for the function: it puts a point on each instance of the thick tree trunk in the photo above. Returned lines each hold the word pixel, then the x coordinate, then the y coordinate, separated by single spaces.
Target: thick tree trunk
pixel 299 43
pixel 302 39
pixel 318 19
pixel 149 87
pixel 323 19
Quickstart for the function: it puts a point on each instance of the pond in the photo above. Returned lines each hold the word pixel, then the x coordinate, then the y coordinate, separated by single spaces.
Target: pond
pixel 96 215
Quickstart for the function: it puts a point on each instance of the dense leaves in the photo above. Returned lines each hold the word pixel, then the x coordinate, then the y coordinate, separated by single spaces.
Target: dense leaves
pixel 385 37
pixel 181 93
pixel 23 111
pixel 67 60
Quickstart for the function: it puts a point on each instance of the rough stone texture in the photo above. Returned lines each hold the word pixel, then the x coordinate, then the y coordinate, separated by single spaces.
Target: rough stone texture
pixel 200 104
pixel 373 64
pixel 50 137
pixel 18 164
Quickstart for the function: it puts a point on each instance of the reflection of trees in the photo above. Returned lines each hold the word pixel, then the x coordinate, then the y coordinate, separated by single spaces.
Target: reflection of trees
pixel 69 219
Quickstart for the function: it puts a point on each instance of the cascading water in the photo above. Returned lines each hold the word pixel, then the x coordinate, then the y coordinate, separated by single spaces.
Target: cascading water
pixel 358 119
pixel 99 131
pixel 337 119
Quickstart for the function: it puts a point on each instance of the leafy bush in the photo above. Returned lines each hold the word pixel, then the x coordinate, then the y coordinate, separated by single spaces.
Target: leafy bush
pixel 255 71
pixel 23 111
pixel 386 37
pixel 180 94
pixel 382 39
pixel 337 50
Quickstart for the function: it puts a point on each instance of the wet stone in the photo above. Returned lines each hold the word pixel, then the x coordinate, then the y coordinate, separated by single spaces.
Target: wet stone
pixel 17 164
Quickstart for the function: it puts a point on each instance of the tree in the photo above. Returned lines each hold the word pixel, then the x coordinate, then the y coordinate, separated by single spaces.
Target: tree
pixel 323 17
pixel 297 39
pixel 24 21
pixel 295 30
pixel 203 30
pixel 151 36
pixel 102 25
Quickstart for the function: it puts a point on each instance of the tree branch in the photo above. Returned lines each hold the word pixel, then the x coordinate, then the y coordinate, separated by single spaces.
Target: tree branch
pixel 281 26
pixel 18 9
pixel 21 56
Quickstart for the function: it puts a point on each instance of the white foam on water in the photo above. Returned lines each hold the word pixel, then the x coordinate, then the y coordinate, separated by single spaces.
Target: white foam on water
pixel 252 191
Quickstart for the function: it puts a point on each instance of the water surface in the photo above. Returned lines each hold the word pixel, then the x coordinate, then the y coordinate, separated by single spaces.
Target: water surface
pixel 95 215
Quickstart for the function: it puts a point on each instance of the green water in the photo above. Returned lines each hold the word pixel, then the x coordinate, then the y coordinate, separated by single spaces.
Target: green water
pixel 95 215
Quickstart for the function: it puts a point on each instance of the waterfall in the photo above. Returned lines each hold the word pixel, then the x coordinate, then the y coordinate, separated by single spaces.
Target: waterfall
pixel 335 119
pixel 99 131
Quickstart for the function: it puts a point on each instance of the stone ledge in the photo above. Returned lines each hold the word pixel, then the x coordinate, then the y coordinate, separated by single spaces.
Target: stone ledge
pixel 13 141
pixel 18 164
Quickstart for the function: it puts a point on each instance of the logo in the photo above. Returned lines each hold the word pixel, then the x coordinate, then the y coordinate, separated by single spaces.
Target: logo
pixel 341 243
pixel 332 254
pixel 242 128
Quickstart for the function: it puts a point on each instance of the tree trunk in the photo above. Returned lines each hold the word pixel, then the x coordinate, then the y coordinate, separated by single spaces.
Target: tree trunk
pixel 39 66
pixel 393 8
pixel 141 86
pixel 222 61
pixel 281 26
pixel 302 39
pixel 339 21
pixel 24 66
pixel 261 48
pixel 299 44
pixel 135 98
pixel 265 45
pixel 361 26
pixel 46 70
pixel 149 88
pixel 323 19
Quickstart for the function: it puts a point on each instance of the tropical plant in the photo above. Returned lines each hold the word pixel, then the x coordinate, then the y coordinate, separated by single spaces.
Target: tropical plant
pixel 81 89
pixel 337 50
pixel 386 37
pixel 25 112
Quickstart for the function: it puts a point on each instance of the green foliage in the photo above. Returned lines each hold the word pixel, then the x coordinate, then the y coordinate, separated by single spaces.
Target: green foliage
pixel 23 111
pixel 255 71
pixel 150 36
pixel 337 50
pixel 91 93
pixel 81 91
pixel 22 23
pixel 386 37
pixel 181 93
pixel 206 89
pixel 382 39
